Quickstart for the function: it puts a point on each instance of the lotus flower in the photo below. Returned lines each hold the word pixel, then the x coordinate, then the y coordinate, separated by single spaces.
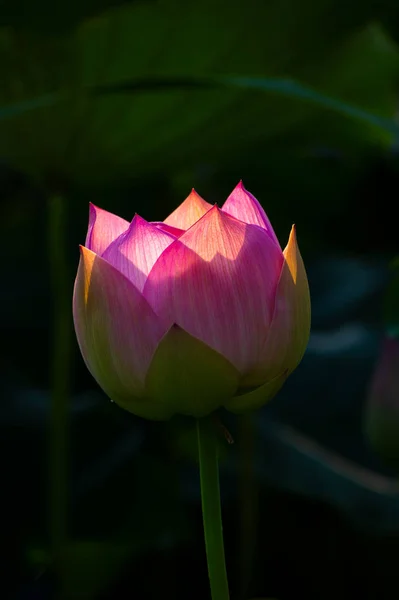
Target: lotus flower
pixel 200 311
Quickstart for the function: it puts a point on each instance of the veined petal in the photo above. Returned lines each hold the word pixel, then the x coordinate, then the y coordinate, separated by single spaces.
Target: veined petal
pixel 117 330
pixel 188 376
pixel 189 211
pixel 134 252
pixel 104 228
pixel 289 331
pixel 168 228
pixel 244 206
pixel 256 398
pixel 218 282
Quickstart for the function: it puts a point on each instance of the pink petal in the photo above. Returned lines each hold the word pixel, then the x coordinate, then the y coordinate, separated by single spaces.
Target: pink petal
pixel 117 330
pixel 289 331
pixel 192 209
pixel 104 228
pixel 134 252
pixel 244 206
pixel 172 230
pixel 218 282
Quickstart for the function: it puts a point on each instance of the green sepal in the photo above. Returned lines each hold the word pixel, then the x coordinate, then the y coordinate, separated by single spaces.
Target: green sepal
pixel 257 397
pixel 144 408
pixel 189 377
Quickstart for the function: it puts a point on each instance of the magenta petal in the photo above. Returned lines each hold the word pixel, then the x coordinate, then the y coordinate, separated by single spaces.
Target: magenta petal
pixel 134 252
pixel 117 330
pixel 168 228
pixel 218 282
pixel 244 206
pixel 104 228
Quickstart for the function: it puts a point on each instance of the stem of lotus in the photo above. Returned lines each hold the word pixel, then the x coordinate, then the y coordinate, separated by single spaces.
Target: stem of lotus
pixel 211 509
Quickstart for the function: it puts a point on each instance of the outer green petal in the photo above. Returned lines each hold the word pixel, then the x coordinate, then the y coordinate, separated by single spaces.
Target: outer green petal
pixel 188 376
pixel 146 408
pixel 117 332
pixel 256 398
pixel 290 327
pixel 295 283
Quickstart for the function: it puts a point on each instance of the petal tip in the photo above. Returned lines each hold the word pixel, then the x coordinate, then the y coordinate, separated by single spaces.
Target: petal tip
pixel 194 195
pixel 85 251
pixel 292 244
pixel 137 220
pixel 191 209
pixel 87 258
pixel 93 209
pixel 240 187
pixel 217 213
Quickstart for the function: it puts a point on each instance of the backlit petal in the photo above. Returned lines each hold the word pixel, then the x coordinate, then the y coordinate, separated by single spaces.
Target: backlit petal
pixel 168 228
pixel 218 282
pixel 244 206
pixel 188 376
pixel 289 332
pixel 116 328
pixel 134 252
pixel 104 228
pixel 189 211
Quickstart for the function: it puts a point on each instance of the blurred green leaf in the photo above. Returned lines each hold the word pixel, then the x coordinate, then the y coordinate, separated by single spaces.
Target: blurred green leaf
pixel 51 17
pixel 6 112
pixel 284 87
pixel 295 462
pixel 293 89
pixel 167 129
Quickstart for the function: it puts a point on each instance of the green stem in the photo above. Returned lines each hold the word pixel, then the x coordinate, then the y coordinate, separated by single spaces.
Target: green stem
pixel 211 510
pixel 58 425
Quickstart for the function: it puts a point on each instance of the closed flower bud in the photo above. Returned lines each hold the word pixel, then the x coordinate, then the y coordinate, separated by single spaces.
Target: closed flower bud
pixel 201 311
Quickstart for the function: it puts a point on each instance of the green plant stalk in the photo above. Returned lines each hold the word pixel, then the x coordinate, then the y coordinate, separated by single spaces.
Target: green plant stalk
pixel 211 509
pixel 58 423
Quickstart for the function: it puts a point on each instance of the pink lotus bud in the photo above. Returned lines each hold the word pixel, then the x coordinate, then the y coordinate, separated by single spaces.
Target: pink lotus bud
pixel 202 311
pixel 382 409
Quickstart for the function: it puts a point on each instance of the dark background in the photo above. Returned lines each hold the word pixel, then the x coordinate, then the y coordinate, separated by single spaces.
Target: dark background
pixel 129 105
